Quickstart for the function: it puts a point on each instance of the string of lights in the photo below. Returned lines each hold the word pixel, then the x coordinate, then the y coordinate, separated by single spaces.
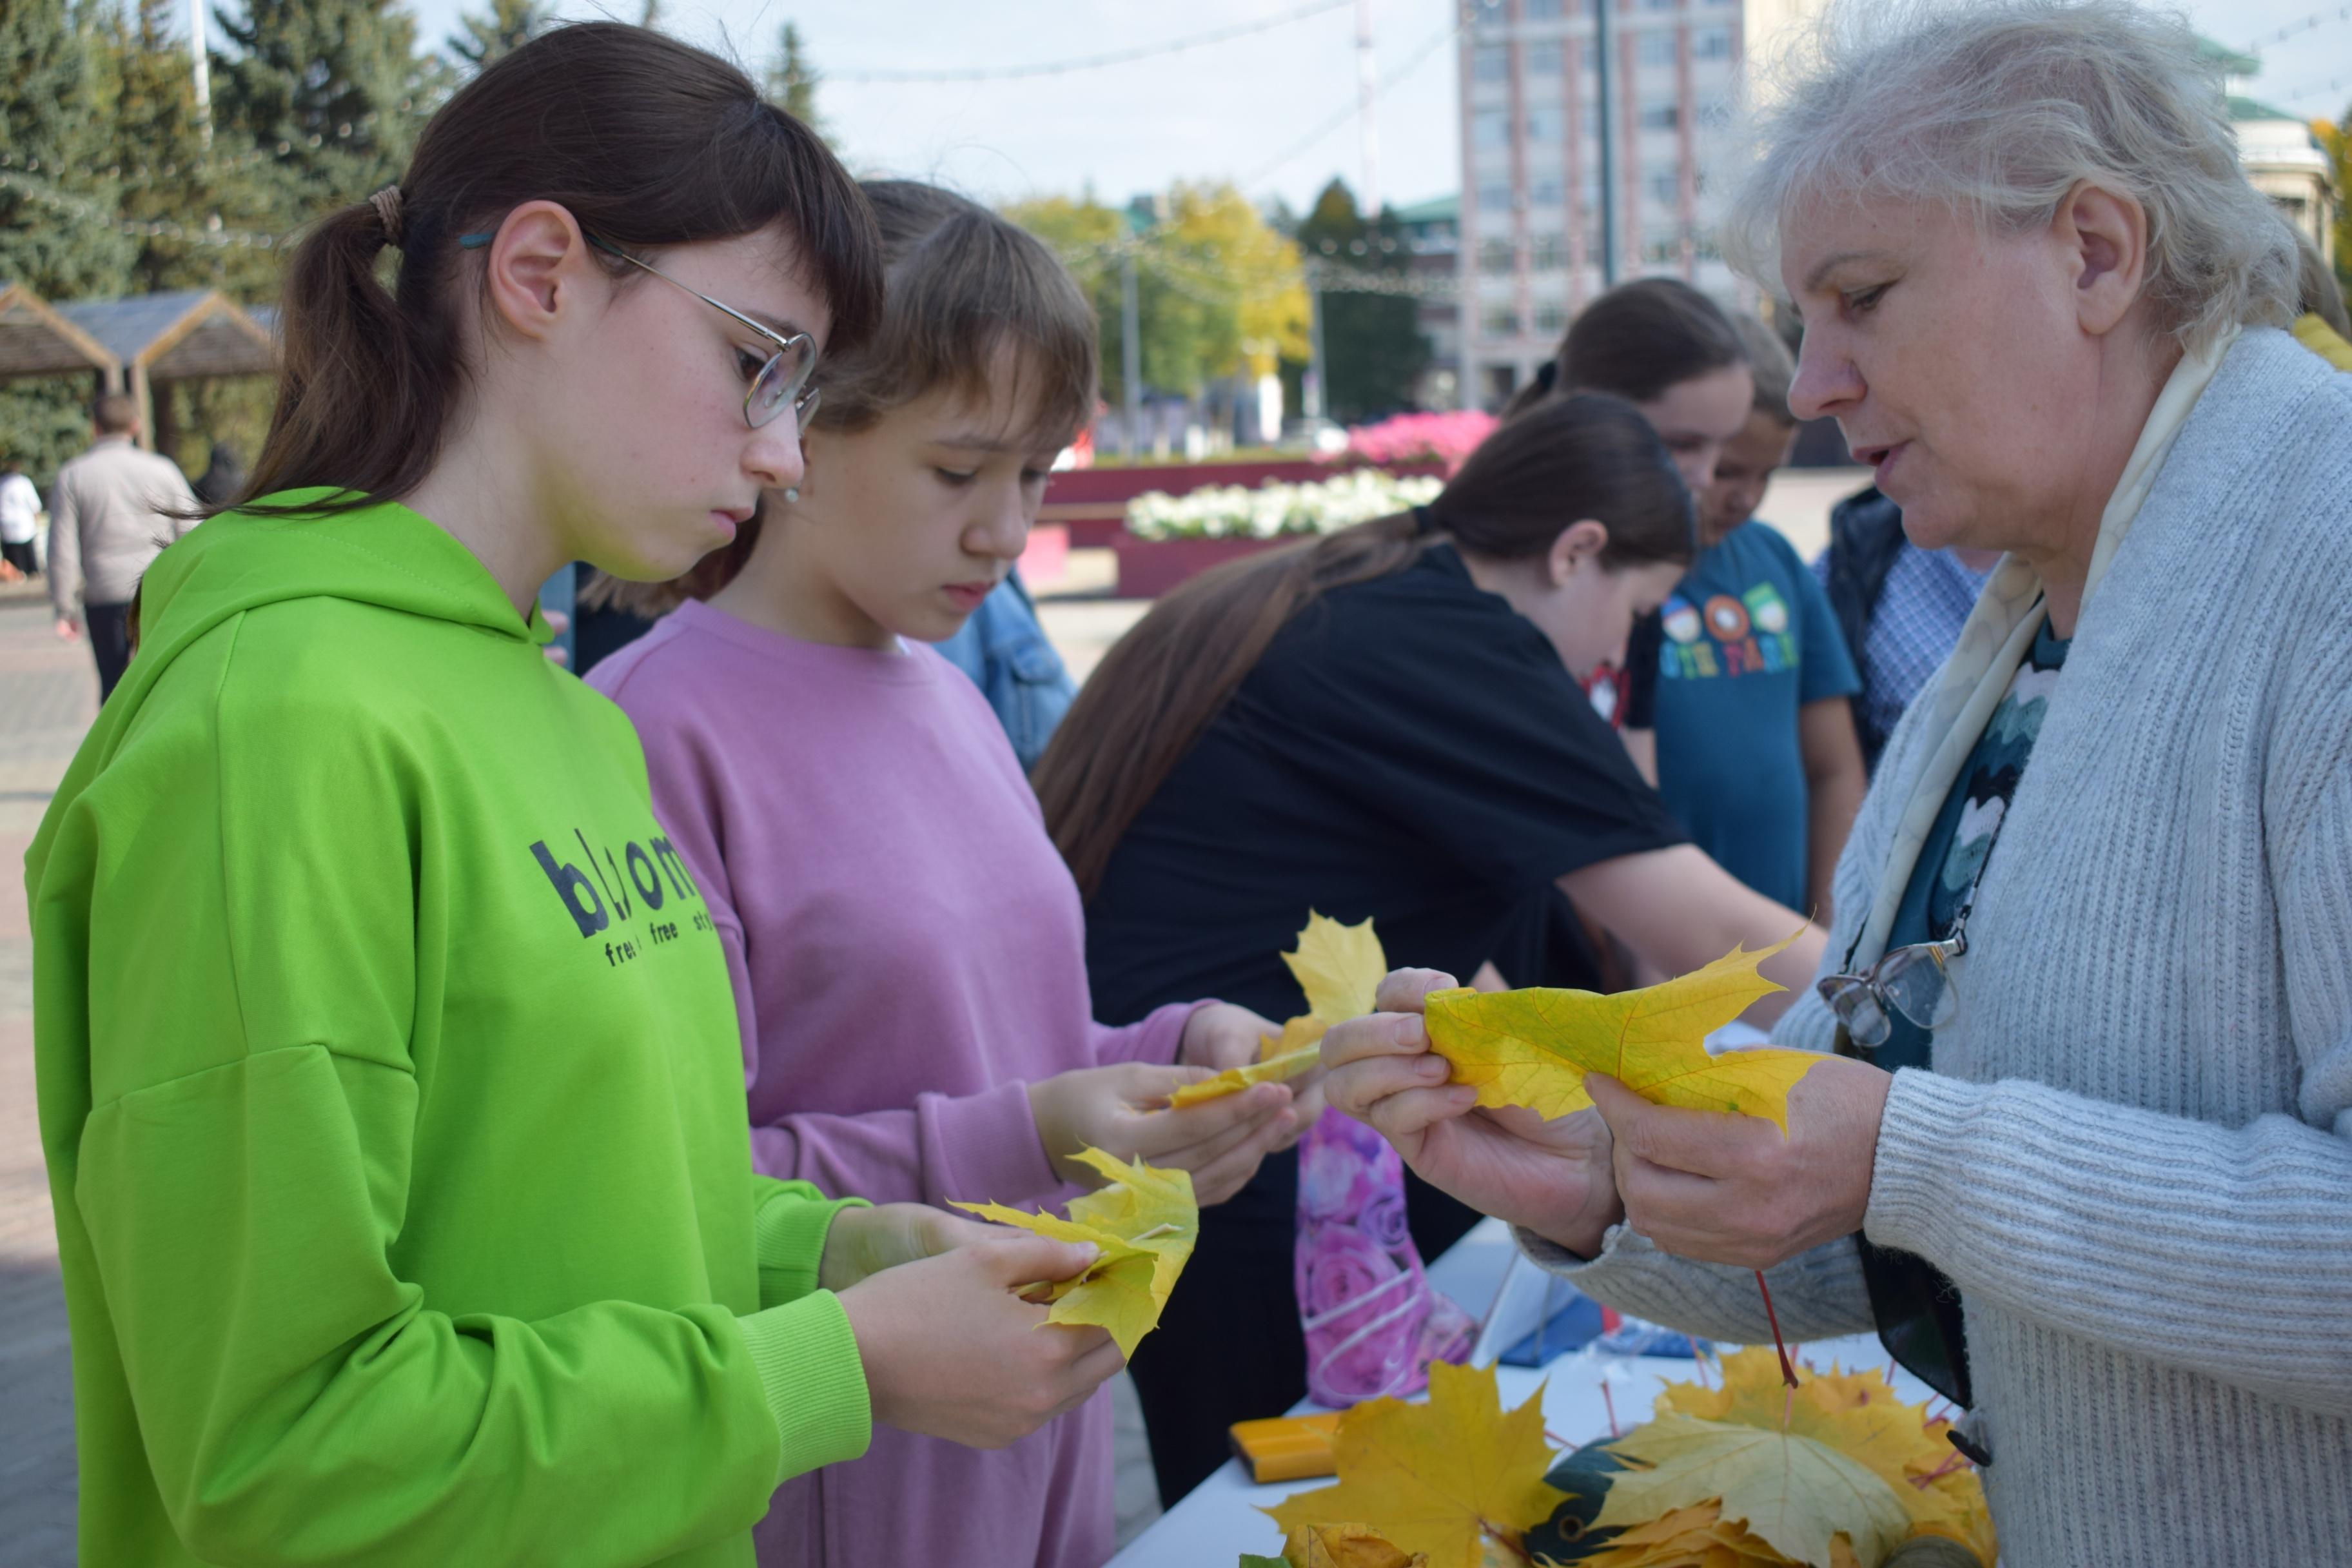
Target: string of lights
pixel 2318 19
pixel 1096 62
pixel 211 233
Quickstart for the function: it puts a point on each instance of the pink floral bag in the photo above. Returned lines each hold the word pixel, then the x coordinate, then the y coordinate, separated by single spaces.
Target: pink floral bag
pixel 1372 1322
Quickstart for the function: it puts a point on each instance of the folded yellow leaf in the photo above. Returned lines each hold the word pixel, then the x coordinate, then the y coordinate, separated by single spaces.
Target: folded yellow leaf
pixel 1233 1080
pixel 1444 1479
pixel 1533 1048
pixel 1340 968
pixel 1145 1222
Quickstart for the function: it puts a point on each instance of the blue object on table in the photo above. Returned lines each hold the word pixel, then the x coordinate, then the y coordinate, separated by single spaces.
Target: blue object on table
pixel 1574 1320
pixel 1636 1336
pixel 1574 1325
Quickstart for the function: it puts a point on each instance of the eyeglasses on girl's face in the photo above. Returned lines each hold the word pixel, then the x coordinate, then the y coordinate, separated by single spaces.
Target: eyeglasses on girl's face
pixel 781 382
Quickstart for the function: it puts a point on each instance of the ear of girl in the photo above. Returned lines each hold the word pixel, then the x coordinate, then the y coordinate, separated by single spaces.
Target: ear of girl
pixel 388 1075
pixel 907 949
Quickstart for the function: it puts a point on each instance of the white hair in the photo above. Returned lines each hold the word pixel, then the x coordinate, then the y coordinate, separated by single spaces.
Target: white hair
pixel 1997 109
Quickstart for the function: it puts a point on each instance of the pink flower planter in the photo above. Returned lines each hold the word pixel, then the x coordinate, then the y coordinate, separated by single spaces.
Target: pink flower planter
pixel 1150 567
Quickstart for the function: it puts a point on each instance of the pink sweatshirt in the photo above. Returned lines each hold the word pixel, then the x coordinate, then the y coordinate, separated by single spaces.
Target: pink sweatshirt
pixel 907 951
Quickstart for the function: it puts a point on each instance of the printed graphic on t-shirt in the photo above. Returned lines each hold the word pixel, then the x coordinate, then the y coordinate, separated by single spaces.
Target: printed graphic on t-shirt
pixel 633 897
pixel 1728 636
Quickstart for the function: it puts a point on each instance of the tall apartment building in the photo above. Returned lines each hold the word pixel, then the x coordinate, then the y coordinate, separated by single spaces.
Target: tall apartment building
pixel 1530 222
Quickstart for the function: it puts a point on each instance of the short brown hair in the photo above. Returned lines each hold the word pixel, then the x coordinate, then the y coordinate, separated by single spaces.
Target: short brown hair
pixel 961 285
pixel 113 413
pixel 1769 361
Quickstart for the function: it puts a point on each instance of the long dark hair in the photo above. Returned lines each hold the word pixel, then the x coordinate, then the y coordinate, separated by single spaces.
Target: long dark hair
pixel 650 142
pixel 1636 341
pixel 1570 459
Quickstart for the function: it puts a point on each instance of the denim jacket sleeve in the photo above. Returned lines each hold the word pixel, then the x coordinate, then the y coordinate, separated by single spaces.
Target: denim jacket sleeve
pixel 1004 650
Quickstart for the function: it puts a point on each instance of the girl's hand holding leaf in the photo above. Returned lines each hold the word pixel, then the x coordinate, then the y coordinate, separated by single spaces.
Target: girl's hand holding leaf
pixel 1552 1177
pixel 1123 1110
pixel 865 1241
pixel 950 1351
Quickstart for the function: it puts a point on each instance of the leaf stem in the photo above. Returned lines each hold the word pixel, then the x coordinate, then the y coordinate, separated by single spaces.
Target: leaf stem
pixel 1788 1372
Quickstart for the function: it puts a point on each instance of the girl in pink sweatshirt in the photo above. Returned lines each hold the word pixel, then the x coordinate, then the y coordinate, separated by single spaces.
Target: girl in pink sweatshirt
pixel 908 949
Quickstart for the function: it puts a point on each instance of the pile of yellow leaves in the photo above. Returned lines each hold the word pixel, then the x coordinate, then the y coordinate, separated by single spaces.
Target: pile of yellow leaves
pixel 1834 1473
pixel 1533 1048
pixel 1340 968
pixel 1450 1484
pixel 1145 1222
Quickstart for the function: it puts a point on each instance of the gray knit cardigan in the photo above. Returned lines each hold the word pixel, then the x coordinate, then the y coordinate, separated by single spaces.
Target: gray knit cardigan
pixel 2133 1154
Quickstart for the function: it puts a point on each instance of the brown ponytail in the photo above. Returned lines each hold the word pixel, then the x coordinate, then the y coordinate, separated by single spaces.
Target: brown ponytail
pixel 650 142
pixel 1145 705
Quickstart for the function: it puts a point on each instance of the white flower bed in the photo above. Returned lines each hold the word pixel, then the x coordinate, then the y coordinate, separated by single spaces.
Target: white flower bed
pixel 1275 509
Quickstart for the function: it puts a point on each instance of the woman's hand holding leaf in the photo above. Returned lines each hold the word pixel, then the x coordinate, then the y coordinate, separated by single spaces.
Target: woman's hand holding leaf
pixel 1735 1189
pixel 1552 1177
pixel 1122 1109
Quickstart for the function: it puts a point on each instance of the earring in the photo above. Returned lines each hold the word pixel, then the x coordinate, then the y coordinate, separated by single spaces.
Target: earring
pixel 792 494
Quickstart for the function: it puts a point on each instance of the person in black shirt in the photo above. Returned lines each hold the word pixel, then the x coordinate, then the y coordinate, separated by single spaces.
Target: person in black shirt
pixel 1385 723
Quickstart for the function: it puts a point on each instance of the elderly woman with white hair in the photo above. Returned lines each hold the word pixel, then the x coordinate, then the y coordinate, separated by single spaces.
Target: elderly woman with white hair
pixel 2080 1146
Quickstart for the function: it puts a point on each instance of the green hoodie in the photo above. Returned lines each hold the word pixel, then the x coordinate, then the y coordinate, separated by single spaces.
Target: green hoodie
pixel 390 1087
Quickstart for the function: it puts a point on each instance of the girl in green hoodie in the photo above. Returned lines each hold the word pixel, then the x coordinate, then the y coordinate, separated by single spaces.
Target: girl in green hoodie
pixel 387 1066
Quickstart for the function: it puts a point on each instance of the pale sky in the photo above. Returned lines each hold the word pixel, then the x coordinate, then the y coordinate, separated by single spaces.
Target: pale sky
pixel 1247 109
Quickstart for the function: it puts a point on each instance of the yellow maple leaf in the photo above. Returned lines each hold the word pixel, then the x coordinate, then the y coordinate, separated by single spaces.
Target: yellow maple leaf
pixel 1442 1478
pixel 1861 1415
pixel 1145 1222
pixel 1348 1545
pixel 1340 968
pixel 1533 1048
pixel 1792 1492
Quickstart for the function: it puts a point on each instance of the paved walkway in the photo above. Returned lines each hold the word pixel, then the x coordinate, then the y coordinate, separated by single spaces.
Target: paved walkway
pixel 47 694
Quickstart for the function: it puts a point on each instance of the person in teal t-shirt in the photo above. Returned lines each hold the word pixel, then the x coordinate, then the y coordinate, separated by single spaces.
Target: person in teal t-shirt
pixel 1757 753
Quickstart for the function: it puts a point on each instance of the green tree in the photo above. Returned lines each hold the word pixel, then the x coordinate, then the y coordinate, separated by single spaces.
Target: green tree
pixel 168 181
pixel 509 25
pixel 57 235
pixel 1373 350
pixel 2336 137
pixel 1217 290
pixel 793 79
pixel 330 94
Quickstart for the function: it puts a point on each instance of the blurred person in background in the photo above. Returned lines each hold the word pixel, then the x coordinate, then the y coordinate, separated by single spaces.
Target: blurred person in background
pixel 1755 743
pixel 113 511
pixel 20 523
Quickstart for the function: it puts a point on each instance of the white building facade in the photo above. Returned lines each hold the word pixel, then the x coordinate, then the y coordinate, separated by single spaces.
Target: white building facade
pixel 1530 252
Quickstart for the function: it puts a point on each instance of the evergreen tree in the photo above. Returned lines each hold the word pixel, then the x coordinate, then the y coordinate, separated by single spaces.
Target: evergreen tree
pixel 792 81
pixel 329 92
pixel 57 234
pixel 1373 350
pixel 55 194
pixel 167 175
pixel 510 24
